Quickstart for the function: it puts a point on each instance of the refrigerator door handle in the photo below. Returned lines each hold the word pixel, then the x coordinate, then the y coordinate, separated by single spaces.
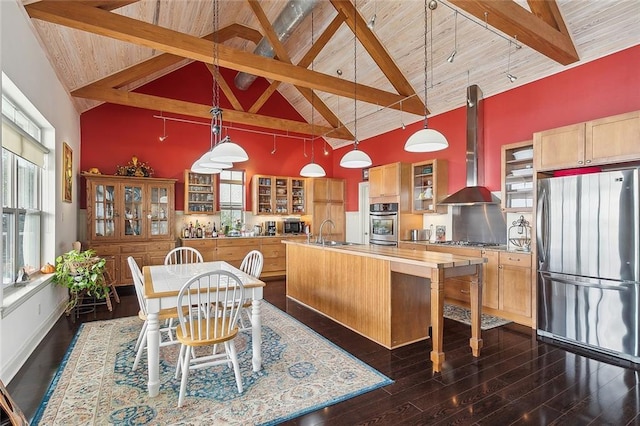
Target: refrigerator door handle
pixel 541 226
pixel 618 286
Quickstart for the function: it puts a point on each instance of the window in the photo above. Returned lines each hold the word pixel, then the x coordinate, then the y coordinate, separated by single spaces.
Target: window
pixel 231 198
pixel 22 161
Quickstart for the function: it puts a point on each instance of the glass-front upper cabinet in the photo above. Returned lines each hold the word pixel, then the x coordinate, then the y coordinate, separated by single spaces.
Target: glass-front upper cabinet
pixel 158 216
pixel 104 206
pixel 282 195
pixel 133 210
pixel 262 194
pixel 129 209
pixel 298 196
pixel 199 193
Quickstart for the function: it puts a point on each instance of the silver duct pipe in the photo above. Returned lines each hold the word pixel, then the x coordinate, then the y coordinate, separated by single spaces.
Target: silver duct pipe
pixel 290 17
pixel 475 192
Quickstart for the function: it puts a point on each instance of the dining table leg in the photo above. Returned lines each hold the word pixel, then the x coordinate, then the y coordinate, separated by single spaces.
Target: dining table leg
pixel 153 346
pixel 256 333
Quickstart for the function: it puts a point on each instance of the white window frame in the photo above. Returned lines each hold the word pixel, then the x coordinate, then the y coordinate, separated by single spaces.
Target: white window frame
pixel 231 210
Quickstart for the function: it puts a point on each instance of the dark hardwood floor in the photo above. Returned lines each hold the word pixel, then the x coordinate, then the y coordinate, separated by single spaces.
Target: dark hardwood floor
pixel 517 379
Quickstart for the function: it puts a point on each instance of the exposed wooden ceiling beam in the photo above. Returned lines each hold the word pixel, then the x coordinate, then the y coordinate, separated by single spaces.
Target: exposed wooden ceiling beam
pixel 375 49
pixel 123 28
pixel 226 89
pixel 141 100
pixel 305 62
pixel 315 101
pixel 553 41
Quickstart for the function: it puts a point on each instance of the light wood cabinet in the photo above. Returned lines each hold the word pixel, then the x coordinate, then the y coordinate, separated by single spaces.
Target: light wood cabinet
pixel 326 201
pixel 233 250
pixel 200 193
pixel 429 185
pixel 597 142
pixel 517 176
pixel 458 288
pixel 507 289
pixel 278 195
pixel 384 181
pixel 515 284
pixel 391 183
pixel 129 216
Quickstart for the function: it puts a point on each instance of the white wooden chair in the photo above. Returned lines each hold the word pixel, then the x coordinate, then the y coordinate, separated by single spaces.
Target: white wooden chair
pixel 183 255
pixel 215 299
pixel 251 264
pixel 165 314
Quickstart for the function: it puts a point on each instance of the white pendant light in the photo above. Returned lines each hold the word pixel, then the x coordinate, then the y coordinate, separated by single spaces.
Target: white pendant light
pixel 227 151
pixel 312 169
pixel 198 167
pixel 207 160
pixel 355 159
pixel 426 140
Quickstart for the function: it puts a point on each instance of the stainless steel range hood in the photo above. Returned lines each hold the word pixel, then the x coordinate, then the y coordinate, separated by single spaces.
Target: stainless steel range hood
pixel 474 192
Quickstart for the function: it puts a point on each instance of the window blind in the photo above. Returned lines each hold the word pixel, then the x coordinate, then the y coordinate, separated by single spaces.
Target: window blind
pixel 22 144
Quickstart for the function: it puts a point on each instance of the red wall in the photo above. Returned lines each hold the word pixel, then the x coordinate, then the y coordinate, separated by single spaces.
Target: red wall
pixel 600 88
pixel 111 134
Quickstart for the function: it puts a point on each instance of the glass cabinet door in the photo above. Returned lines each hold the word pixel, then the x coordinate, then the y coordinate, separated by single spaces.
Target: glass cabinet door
pixel 104 220
pixel 282 195
pixel 264 195
pixel 297 196
pixel 133 210
pixel 159 211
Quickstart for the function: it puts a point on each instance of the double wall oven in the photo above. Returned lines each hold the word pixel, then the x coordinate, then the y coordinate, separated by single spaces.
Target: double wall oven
pixel 383 224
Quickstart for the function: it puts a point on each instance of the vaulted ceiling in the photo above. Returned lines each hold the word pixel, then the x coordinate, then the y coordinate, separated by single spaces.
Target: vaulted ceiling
pixel 102 50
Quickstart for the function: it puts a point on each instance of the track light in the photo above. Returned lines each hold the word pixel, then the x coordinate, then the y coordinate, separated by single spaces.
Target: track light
pixel 164 129
pixel 372 22
pixel 510 76
pixel 455 39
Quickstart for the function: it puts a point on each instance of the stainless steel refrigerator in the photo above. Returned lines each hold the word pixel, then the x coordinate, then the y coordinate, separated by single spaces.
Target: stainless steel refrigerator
pixel 588 248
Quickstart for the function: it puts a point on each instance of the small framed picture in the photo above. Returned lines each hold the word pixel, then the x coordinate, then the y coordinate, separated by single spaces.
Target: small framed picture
pixel 365 174
pixel 67 173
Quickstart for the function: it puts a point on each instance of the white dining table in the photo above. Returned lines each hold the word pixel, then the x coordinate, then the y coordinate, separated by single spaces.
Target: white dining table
pixel 161 286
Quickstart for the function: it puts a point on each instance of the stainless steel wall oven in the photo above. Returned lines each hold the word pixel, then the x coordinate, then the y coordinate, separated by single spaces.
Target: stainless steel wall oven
pixel 383 224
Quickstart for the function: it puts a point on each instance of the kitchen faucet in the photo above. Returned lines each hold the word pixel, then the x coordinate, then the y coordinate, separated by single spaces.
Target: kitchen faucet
pixel 320 239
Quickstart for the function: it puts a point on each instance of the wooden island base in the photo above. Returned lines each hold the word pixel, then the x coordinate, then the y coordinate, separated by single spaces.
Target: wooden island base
pixel 382 293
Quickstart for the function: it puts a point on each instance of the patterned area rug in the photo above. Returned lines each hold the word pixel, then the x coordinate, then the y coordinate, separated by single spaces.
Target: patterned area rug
pixel 463 315
pixel 302 372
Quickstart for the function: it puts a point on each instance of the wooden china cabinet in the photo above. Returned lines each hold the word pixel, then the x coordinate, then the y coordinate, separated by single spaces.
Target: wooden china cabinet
pixel 130 216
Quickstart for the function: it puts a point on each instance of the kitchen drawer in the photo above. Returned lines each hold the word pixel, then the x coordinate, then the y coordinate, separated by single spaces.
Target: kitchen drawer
pixel 106 250
pixel 161 246
pixel 199 245
pixel 457 289
pixel 128 249
pixel 238 242
pixel 515 259
pixel 232 253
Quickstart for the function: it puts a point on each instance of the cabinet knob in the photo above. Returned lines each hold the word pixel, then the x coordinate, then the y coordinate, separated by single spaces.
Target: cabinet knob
pixel 580 162
pixel 588 161
pixel 465 291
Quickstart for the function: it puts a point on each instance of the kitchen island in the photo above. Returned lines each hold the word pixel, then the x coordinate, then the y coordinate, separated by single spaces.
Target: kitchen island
pixel 381 292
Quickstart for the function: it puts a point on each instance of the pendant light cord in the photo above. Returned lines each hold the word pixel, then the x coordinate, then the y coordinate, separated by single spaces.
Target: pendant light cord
pixel 425 64
pixel 355 77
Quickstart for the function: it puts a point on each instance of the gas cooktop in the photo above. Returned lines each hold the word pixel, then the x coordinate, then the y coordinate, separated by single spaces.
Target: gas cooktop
pixel 468 243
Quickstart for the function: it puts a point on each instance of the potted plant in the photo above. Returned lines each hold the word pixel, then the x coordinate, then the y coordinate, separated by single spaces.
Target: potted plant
pixel 82 272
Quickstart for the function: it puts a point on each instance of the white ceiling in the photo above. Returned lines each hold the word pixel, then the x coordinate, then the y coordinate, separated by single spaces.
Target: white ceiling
pixel 597 28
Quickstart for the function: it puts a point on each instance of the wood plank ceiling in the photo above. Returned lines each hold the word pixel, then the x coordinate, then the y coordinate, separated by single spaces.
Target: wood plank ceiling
pixel 102 50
